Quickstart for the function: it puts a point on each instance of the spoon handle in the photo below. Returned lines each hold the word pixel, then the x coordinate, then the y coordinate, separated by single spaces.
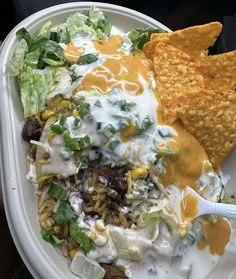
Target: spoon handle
pixel 225 210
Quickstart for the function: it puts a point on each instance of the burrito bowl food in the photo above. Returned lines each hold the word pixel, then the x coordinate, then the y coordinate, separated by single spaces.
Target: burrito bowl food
pixel 118 124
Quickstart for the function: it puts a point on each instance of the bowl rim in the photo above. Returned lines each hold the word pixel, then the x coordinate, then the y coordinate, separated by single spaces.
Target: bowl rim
pixel 5 168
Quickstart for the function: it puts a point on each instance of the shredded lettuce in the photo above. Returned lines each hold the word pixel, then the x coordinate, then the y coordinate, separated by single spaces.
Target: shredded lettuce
pixel 15 65
pixel 99 23
pixel 80 237
pixel 74 22
pixel 95 14
pixel 140 36
pixel 86 268
pixel 34 87
pixel 32 58
pixel 145 218
pixel 124 249
pixel 46 30
pixel 36 59
pixel 130 254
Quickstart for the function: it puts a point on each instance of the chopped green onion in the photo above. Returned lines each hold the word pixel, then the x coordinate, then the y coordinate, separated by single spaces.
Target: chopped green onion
pixel 84 109
pixel 124 105
pixel 70 143
pixel 84 142
pixel 146 123
pixel 109 130
pixel 57 192
pixel 112 144
pixel 62 120
pixel 98 104
pixel 76 122
pixel 75 143
pixel 80 237
pixel 99 126
pixel 87 59
pixel 57 129
pixel 50 237
pixel 64 213
pixel 24 34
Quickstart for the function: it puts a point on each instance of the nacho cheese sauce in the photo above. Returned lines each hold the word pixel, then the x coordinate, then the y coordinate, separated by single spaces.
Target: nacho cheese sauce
pixel 124 126
pixel 189 207
pixel 212 230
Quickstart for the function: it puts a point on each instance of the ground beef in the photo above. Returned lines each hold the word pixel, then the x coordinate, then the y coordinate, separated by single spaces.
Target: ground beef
pixel 32 129
pixel 116 178
pixel 113 272
pixel 104 171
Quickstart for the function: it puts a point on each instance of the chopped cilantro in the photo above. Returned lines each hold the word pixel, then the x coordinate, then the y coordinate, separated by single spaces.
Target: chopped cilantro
pixel 57 129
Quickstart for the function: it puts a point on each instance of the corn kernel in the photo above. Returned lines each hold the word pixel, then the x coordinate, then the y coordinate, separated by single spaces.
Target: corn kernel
pixel 73 252
pixel 46 114
pixel 139 172
pixel 65 104
pixel 75 113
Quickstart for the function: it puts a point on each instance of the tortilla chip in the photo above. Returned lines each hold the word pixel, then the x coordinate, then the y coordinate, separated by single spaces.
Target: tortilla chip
pixel 222 68
pixel 176 72
pixel 195 40
pixel 210 116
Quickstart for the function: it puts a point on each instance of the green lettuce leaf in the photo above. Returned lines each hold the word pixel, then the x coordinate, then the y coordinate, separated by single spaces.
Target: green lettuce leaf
pixel 124 249
pixel 145 218
pixel 80 237
pixel 32 58
pixel 34 87
pixel 140 36
pixel 16 63
pixel 24 34
pixel 99 23
pixel 95 14
pixel 74 22
pixel 86 268
pixel 46 30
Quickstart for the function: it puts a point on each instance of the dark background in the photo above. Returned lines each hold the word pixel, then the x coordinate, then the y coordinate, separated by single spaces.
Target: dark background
pixel 175 14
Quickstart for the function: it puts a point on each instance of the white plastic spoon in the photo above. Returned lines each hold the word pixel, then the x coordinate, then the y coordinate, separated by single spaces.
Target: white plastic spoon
pixel 205 207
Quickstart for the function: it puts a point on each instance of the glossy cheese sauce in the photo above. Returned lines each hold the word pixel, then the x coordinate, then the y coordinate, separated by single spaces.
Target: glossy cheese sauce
pixel 120 71
pixel 72 53
pixel 187 166
pixel 217 236
pixel 189 207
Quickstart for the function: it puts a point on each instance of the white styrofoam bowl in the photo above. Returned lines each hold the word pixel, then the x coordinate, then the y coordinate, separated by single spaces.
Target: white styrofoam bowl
pixel 19 196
